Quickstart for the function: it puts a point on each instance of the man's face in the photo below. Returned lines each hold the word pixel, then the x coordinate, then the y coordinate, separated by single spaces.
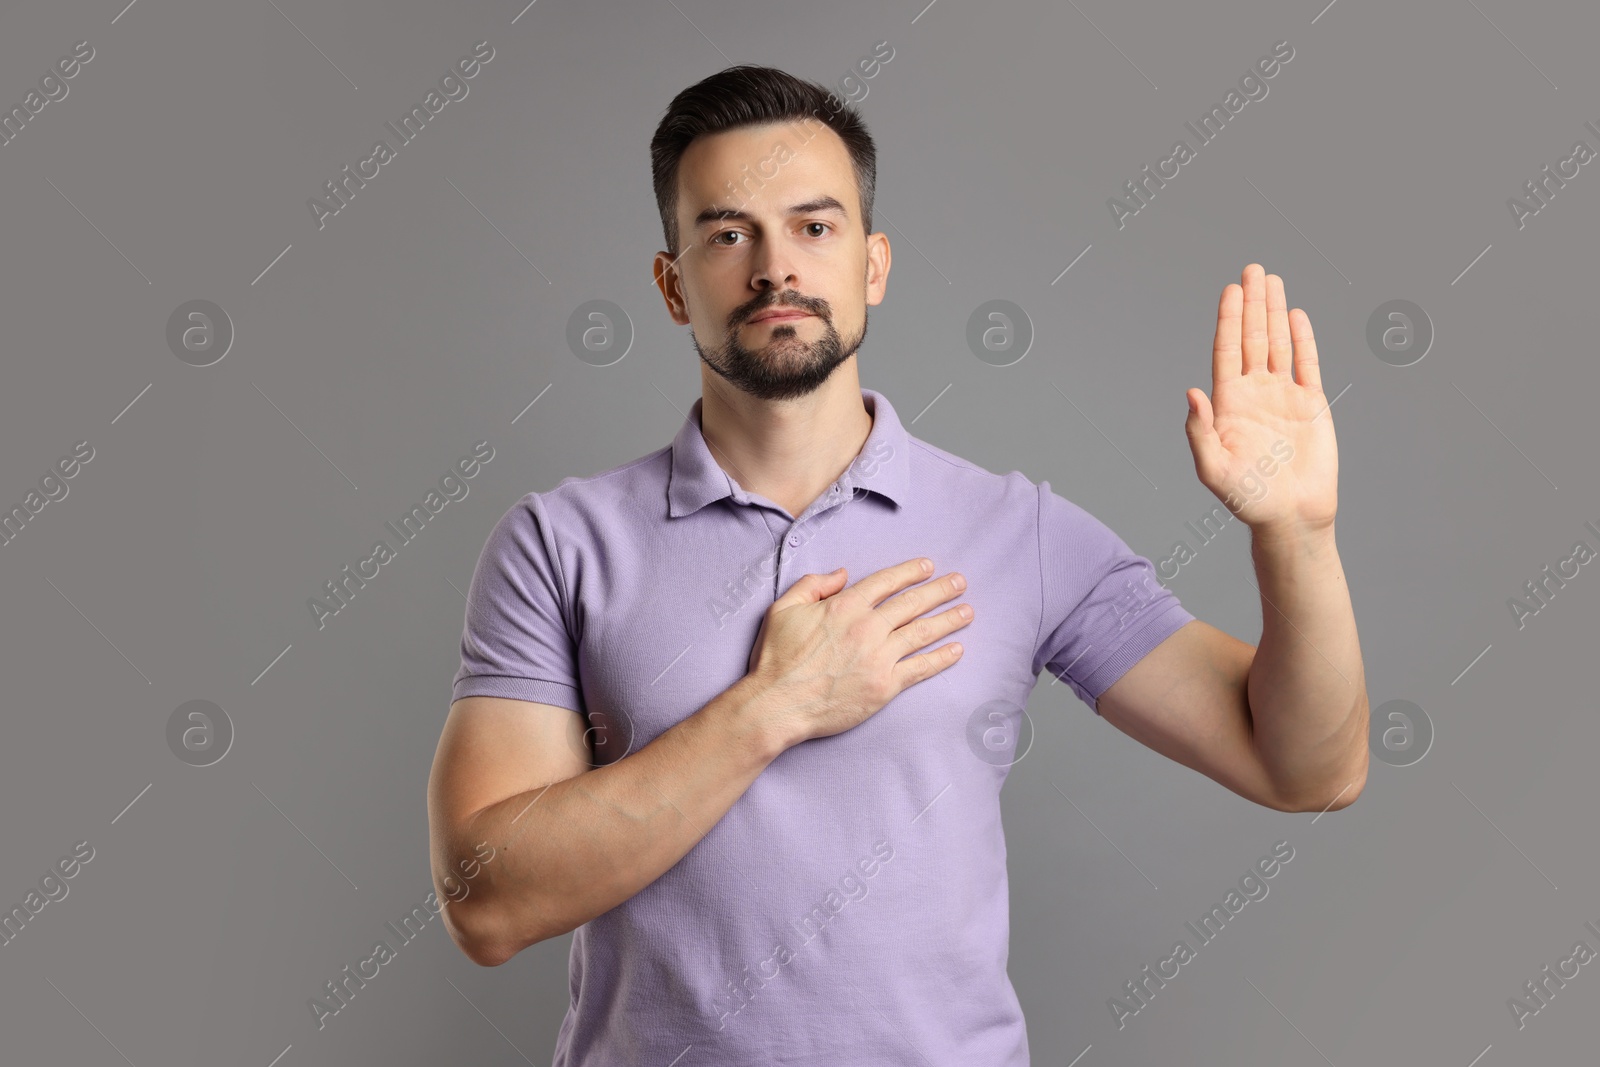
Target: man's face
pixel 769 223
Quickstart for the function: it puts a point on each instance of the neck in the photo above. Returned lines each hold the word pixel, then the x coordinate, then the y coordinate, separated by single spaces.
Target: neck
pixel 788 451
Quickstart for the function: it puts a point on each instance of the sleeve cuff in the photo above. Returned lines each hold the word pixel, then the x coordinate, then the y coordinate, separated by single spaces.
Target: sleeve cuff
pixel 534 690
pixel 1144 636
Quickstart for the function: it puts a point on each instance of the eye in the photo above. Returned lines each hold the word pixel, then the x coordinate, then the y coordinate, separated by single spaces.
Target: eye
pixel 725 233
pixel 824 225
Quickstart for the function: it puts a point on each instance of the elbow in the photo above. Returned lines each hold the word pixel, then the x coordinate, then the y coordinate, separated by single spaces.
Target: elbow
pixel 1321 804
pixel 1333 795
pixel 485 955
pixel 1347 787
pixel 488 952
pixel 482 950
pixel 479 935
pixel 478 952
pixel 1332 788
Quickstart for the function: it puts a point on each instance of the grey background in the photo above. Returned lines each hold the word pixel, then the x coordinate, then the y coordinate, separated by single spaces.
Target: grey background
pixel 374 352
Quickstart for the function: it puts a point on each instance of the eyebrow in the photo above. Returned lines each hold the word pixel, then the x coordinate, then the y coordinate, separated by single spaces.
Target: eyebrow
pixel 716 214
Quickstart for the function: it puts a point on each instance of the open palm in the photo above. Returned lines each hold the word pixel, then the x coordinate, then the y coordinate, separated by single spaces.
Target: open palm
pixel 1263 442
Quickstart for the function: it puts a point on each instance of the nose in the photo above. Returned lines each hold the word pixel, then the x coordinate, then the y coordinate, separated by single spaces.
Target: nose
pixel 773 268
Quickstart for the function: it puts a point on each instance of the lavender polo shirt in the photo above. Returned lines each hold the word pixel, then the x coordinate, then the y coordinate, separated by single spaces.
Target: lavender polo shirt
pixel 851 907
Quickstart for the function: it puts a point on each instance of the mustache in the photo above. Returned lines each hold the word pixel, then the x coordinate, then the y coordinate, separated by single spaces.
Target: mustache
pixel 810 305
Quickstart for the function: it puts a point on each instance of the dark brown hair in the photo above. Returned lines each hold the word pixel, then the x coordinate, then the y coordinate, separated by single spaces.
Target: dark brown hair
pixel 751 96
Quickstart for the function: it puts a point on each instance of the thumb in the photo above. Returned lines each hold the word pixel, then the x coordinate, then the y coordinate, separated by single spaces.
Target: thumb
pixel 825 585
pixel 1202 434
pixel 811 588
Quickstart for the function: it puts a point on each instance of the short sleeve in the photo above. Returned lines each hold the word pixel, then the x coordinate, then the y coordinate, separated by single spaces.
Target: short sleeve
pixel 516 642
pixel 1103 608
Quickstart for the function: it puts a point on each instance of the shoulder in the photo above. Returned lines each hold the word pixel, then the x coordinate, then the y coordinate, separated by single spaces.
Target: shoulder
pixel 974 486
pixel 589 501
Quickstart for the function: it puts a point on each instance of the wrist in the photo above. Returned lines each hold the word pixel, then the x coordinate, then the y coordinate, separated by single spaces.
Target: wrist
pixel 757 717
pixel 1293 536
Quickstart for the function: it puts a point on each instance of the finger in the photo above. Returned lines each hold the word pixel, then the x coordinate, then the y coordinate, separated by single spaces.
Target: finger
pixel 875 588
pixel 1225 348
pixel 914 669
pixel 913 603
pixel 1253 335
pixel 1279 355
pixel 1307 369
pixel 920 633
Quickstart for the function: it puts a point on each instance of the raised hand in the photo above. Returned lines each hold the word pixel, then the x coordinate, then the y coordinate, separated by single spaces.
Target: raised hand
pixel 1267 403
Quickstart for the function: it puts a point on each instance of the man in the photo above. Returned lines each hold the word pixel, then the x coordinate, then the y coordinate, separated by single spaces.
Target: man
pixel 774 822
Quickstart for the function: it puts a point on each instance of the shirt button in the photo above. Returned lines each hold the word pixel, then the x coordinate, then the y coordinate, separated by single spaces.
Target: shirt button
pixel 795 541
pixel 835 488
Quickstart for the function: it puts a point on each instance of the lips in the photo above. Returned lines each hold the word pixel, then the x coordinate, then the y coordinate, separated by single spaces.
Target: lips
pixel 781 316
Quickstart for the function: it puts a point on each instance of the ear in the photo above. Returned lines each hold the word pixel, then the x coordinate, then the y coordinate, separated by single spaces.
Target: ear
pixel 878 257
pixel 670 282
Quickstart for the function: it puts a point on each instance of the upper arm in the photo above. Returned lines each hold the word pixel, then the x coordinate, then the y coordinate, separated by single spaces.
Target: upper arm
pixel 495 747
pixel 1187 699
pixel 517 716
pixel 491 748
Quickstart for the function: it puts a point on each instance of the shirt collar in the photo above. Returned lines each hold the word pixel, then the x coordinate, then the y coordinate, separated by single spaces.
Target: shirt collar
pixel 883 465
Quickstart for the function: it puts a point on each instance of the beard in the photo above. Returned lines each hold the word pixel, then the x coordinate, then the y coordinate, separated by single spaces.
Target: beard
pixel 785 367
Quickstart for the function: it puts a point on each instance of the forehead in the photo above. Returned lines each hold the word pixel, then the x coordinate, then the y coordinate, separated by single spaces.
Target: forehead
pixel 761 168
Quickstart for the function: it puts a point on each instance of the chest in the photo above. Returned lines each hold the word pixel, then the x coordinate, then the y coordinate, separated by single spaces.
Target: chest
pixel 667 621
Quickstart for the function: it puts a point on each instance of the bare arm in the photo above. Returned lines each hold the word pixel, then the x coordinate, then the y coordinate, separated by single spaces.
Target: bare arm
pixel 569 850
pixel 1307 687
pixel 1285 723
pixel 1264 444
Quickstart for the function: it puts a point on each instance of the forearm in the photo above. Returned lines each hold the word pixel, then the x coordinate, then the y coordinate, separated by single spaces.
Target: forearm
pixel 1307 686
pixel 573 850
